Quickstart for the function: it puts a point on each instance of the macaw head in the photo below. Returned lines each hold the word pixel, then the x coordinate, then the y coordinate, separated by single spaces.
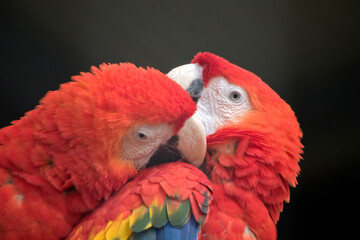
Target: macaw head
pixel 245 119
pixel 105 125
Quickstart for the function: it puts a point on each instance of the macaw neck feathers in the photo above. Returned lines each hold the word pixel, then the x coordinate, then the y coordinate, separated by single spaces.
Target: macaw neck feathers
pixel 263 163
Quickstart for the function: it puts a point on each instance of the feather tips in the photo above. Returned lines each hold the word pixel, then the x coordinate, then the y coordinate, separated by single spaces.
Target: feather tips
pixel 158 196
pixel 188 232
pixel 178 211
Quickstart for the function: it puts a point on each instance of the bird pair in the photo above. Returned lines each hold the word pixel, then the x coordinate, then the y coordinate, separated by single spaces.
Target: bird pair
pixel 78 154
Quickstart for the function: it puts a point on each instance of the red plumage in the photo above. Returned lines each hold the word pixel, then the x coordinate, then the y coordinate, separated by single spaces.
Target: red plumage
pixel 251 182
pixel 61 159
pixel 148 185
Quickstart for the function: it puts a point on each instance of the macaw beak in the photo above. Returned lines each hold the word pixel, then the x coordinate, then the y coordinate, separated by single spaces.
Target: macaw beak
pixel 192 137
pixel 190 142
pixel 189 77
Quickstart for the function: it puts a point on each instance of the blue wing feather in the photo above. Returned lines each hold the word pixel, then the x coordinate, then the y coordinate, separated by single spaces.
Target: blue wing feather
pixel 194 228
pixel 184 234
pixel 188 232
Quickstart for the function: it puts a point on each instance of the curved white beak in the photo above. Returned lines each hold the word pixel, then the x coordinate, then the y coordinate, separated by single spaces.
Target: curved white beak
pixel 192 138
pixel 192 142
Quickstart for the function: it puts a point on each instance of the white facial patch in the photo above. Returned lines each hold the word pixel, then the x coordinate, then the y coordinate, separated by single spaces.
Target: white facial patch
pixel 221 103
pixel 140 143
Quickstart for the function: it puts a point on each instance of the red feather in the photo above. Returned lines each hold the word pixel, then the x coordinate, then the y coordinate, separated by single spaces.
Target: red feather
pixel 143 190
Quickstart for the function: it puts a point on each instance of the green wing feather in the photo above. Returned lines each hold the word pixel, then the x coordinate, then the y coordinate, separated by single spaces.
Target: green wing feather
pixel 158 215
pixel 140 219
pixel 167 193
pixel 150 234
pixel 178 211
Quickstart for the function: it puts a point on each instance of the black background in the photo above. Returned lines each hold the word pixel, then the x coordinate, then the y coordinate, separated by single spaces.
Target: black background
pixel 307 51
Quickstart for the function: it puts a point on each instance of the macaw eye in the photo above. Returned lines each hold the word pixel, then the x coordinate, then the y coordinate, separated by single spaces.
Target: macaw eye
pixel 234 96
pixel 141 136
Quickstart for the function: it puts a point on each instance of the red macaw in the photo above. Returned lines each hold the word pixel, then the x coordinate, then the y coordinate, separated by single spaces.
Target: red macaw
pixel 83 142
pixel 253 148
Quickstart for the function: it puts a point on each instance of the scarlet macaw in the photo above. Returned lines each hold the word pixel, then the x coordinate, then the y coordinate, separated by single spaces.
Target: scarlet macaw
pixel 253 149
pixel 167 201
pixel 83 142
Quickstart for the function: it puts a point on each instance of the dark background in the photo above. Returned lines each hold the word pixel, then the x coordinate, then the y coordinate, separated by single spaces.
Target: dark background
pixel 307 51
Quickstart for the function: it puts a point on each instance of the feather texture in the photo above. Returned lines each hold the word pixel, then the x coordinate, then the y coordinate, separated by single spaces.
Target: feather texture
pixel 170 213
pixel 189 231
pixel 61 159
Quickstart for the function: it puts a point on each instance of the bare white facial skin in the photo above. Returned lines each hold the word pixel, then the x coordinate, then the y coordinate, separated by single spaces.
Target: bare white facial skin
pixel 221 103
pixel 140 143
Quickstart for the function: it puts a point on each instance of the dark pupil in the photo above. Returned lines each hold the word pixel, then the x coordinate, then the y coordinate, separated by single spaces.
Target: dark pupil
pixel 141 135
pixel 235 95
